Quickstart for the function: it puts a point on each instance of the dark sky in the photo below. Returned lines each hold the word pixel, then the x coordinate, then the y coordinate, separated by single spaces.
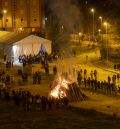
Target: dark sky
pixel 102 6
pixel 77 12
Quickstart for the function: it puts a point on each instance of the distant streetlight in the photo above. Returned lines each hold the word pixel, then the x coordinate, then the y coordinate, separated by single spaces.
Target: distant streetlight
pixel 101 22
pixel 106 29
pixel 93 13
pixel 79 34
pixel 21 29
pixel 4 11
pixel 99 30
pixel 62 27
pixel 46 18
pixel 4 17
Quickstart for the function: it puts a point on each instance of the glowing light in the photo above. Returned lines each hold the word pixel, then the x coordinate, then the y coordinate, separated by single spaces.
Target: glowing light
pixel 79 33
pixel 15 49
pixel 55 92
pixel 62 27
pixel 4 11
pixel 100 17
pixel 99 30
pixel 46 19
pixel 59 91
pixel 92 10
pixel 21 28
pixel 105 23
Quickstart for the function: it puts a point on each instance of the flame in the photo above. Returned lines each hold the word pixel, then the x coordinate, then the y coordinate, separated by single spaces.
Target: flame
pixel 59 90
pixel 55 92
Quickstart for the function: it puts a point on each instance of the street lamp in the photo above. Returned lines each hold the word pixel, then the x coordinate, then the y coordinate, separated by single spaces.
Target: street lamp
pixel 106 29
pixel 93 12
pixel 21 29
pixel 101 21
pixel 4 11
pixel 99 30
pixel 4 16
pixel 79 34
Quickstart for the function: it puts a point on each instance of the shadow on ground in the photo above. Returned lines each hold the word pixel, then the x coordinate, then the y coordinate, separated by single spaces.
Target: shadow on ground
pixel 14 117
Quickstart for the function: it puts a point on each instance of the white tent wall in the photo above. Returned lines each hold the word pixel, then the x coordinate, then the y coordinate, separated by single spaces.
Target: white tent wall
pixel 27 49
pixel 17 50
pixel 36 48
pixel 30 45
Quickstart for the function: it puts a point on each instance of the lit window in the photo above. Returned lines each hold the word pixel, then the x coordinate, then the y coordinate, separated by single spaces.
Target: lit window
pixel 33 29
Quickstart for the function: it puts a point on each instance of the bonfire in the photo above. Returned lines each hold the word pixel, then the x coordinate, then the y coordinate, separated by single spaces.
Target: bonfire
pixel 63 87
pixel 59 86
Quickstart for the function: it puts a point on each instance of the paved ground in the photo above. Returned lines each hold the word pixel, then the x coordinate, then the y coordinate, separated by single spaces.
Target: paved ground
pixel 98 102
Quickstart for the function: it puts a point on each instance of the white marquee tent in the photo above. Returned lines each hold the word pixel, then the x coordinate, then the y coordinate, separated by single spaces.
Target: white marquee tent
pixel 29 45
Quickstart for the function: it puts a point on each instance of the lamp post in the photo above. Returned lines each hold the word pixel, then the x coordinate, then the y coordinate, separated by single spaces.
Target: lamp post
pixel 101 21
pixel 99 31
pixel 79 35
pixel 93 13
pixel 106 29
pixel 4 16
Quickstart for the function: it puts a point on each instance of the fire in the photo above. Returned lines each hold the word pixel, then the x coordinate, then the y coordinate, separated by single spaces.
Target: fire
pixel 59 87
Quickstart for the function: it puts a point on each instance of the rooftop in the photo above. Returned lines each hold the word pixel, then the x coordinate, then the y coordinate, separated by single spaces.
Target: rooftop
pixel 11 37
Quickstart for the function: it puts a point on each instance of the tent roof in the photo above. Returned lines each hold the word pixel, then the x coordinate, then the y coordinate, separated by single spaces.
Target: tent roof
pixel 33 38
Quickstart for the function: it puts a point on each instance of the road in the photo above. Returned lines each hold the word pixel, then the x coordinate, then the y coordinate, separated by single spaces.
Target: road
pixel 90 64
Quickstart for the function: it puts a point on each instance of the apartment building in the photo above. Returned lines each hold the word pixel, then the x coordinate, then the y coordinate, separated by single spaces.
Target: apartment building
pixel 22 15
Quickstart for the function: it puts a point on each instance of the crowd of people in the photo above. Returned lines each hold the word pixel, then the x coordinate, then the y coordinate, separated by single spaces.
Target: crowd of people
pixel 32 102
pixel 91 82
pixel 85 80
pixel 41 57
pixel 6 79
pixel 9 64
pixel 25 98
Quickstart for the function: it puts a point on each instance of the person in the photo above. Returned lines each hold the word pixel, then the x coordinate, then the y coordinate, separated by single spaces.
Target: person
pixel 39 77
pixel 55 70
pixel 114 79
pixel 66 102
pixel 79 78
pixel 95 74
pixel 85 73
pixel 86 57
pixel 115 67
pixel 91 74
pixel 47 69
pixel 109 79
pixel 74 53
pixel 34 78
pixel 118 76
pixel 5 57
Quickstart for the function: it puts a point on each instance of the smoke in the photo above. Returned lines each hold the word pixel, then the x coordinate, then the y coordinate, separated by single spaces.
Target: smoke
pixel 67 14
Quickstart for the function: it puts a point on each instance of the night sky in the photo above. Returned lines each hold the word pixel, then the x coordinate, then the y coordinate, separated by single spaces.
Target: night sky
pixel 106 7
pixel 80 15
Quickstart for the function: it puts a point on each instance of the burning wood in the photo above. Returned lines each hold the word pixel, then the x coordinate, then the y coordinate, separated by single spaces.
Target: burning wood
pixel 59 87
pixel 64 87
